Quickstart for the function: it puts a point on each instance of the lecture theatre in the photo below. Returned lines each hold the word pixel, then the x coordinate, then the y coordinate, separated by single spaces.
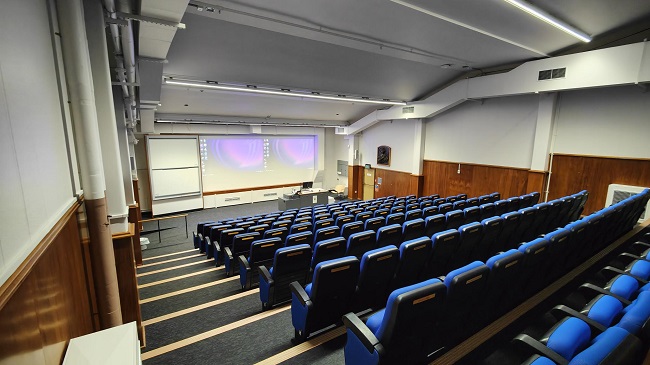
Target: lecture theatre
pixel 325 182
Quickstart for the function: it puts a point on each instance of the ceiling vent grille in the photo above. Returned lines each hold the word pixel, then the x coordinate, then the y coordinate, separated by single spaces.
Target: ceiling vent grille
pixel 341 130
pixel 408 109
pixel 557 73
pixel 617 192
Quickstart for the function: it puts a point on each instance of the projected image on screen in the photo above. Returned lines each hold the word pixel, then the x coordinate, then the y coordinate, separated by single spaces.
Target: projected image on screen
pixel 233 162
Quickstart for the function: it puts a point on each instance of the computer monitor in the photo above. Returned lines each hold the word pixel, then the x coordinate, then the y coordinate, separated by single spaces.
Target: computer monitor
pixel 307 185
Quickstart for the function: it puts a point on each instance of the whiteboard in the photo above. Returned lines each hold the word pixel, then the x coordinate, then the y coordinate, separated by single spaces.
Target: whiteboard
pixel 174 183
pixel 167 153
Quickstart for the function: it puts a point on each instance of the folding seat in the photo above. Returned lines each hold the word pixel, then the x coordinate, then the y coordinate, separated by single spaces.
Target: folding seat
pixel 241 245
pixel 459 205
pixel 470 237
pixel 350 228
pixel 281 223
pixel 321 216
pixel 300 227
pixel 410 197
pixel 198 235
pixel 281 233
pixel 614 346
pixel 289 264
pixel 245 225
pixel 425 204
pixel 461 197
pixel 484 199
pixel 322 302
pixel 445 208
pixel 272 215
pixel 260 228
pixel 581 199
pixel 452 199
pixel 434 224
pixel 322 223
pixel 389 235
pixel 503 283
pixel 444 247
pixel 363 216
pixel 567 203
pixel 514 203
pixel 360 242
pixel 501 207
pixel 395 218
pixel 524 233
pixel 525 201
pixel 286 217
pixel 299 220
pixel 538 226
pixel 381 212
pixel 465 291
pixel 562 249
pixel 211 238
pixel 495 196
pixel 268 221
pixel 438 201
pixel 304 213
pixel 333 208
pixel 472 214
pixel 329 249
pixel 205 232
pixel 225 240
pixel 372 208
pixel 429 211
pixel 487 211
pixel 326 233
pixel 534 198
pixel 338 213
pixel 373 223
pixel 534 265
pixel 413 229
pixel 472 202
pixel 488 245
pixel 397 209
pixel 261 253
pixel 433 197
pixel 375 277
pixel 233 221
pixel 304 237
pixel 454 219
pixel 355 211
pixel 413 256
pixel 510 224
pixel 341 220
pixel 363 205
pixel 412 214
pixel 386 206
pixel 561 343
pixel 630 265
pixel 412 206
pixel 397 334
pixel 553 219
pixel 579 230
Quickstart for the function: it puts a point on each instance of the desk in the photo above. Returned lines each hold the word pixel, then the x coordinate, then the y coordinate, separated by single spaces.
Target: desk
pixel 306 198
pixel 114 346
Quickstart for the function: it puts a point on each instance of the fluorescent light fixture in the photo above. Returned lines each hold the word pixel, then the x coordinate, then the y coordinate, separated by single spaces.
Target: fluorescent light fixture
pixel 540 14
pixel 204 85
pixel 191 121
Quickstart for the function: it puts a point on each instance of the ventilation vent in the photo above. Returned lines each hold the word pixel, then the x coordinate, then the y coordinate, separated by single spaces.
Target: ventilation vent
pixel 557 73
pixel 408 109
pixel 232 199
pixel 341 130
pixel 617 192
pixel 270 194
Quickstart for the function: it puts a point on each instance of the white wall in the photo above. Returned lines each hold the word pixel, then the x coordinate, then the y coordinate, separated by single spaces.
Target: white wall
pixel 496 131
pixel 612 121
pixel 398 135
pixel 36 182
pixel 340 152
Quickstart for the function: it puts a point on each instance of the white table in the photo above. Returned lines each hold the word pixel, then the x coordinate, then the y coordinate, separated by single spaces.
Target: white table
pixel 117 345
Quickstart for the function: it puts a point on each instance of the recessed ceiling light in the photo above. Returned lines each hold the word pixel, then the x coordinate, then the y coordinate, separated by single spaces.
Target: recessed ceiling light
pixel 446 65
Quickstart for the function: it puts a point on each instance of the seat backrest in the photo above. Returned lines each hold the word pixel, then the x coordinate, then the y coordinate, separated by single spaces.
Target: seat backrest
pixel 305 237
pixel 413 257
pixel 484 199
pixel 373 223
pixel 412 206
pixel 363 216
pixel 562 249
pixel 322 223
pixel 425 204
pixel 553 218
pixel 333 284
pixel 460 205
pixel 434 224
pixel 488 245
pixel 461 196
pixel 381 212
pixel 227 235
pixel 360 242
pixel 445 207
pixel 534 198
pixel 525 201
pixel 291 260
pixel 241 243
pixel 413 214
pixel 510 223
pixel 501 207
pixel 259 228
pixel 465 290
pixel 487 210
pixel 397 209
pixel 515 203
pixel 429 211
pixel 389 235
pixel 567 337
pixel 445 244
pixel 470 237
pixel 328 249
pixel 349 228
pixel 472 202
pixel 304 219
pixel 262 251
pixel 281 223
pixel 199 226
pixel 300 227
pixel 439 201
pixel 472 214
pixel 343 219
pixel 205 232
pixel 267 221
pixel 326 233
pixel 495 196
pixel 537 227
pixel 454 219
pixel 376 274
pixel 281 232
pixel 503 282
pixel 567 203
pixel 534 263
pixel 245 225
pixel 612 347
pixel 215 231
pixel 395 218
pixel 412 229
pixel 524 233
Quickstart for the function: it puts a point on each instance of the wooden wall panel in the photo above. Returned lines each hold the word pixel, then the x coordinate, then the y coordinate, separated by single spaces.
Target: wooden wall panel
pixel 572 173
pixel 393 183
pixel 126 279
pixel 442 178
pixel 417 184
pixel 536 181
pixel 355 182
pixel 46 301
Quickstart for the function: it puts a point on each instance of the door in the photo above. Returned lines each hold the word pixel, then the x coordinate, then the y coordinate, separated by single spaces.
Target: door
pixel 368 184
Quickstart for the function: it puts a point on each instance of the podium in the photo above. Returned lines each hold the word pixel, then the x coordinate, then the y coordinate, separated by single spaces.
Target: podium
pixel 306 198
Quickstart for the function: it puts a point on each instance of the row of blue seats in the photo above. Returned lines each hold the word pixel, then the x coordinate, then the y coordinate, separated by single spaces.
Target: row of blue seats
pixel 606 321
pixel 421 321
pixel 421 257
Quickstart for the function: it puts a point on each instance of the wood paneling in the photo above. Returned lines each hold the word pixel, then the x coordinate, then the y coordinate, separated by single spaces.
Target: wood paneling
pixel 393 183
pixel 46 301
pixel 135 216
pixel 251 189
pixel 536 181
pixel 355 182
pixel 126 279
pixel 441 177
pixel 417 184
pixel 573 173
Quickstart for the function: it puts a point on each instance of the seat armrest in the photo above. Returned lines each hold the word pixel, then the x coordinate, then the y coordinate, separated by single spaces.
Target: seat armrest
pixel 610 271
pixel 585 288
pixel 228 253
pixel 265 274
pixel 200 236
pixel 626 258
pixel 363 333
pixel 531 346
pixel 562 311
pixel 300 293
pixel 243 263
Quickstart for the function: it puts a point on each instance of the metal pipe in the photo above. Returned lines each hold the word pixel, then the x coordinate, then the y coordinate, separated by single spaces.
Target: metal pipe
pixel 76 60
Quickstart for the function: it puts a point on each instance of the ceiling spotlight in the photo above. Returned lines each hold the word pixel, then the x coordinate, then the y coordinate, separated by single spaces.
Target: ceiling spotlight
pixel 199 8
pixel 209 10
pixel 446 65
